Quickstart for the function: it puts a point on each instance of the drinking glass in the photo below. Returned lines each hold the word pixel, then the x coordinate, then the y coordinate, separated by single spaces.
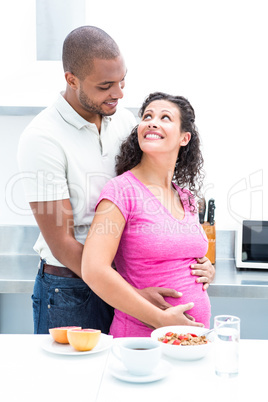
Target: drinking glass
pixel 226 345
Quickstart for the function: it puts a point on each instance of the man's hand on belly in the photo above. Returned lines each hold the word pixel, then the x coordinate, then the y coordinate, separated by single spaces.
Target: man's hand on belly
pixel 156 296
pixel 204 270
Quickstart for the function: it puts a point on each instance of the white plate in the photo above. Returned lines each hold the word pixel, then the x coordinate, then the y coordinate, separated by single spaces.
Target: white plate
pixel 118 370
pixel 65 349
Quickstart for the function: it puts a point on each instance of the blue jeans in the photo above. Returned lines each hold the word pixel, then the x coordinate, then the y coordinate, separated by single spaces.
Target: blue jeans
pixel 60 302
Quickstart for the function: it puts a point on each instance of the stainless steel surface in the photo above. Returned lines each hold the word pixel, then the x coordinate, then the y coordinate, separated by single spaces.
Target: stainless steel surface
pixel 17 273
pixel 231 282
pixel 18 260
pixel 21 110
pixel 17 239
pixel 18 266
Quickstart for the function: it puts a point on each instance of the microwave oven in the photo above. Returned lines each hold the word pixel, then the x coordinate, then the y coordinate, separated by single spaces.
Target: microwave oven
pixel 251 248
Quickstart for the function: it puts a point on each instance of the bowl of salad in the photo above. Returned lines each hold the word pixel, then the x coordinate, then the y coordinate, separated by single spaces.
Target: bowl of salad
pixel 183 342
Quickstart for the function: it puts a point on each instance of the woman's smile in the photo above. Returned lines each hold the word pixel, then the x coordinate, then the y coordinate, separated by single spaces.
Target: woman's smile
pixel 151 135
pixel 161 120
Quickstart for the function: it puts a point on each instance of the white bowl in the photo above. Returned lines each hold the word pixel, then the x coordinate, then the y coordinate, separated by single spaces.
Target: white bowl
pixel 191 352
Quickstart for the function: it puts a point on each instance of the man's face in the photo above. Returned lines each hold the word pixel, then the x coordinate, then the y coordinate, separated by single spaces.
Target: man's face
pixel 100 91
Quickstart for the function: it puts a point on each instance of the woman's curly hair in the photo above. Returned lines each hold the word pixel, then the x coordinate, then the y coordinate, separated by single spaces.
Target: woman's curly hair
pixel 188 169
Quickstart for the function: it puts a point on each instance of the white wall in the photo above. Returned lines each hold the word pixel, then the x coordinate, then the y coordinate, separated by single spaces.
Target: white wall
pixel 13 207
pixel 213 52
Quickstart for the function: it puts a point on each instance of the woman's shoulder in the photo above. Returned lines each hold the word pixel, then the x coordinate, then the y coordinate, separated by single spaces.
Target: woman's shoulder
pixel 121 190
pixel 121 184
pixel 122 179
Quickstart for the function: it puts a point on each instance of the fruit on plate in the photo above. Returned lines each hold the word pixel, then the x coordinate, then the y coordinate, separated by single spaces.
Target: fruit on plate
pixel 59 334
pixel 183 339
pixel 83 339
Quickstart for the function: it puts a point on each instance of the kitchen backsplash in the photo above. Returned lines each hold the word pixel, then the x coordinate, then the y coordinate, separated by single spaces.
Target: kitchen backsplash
pixel 225 244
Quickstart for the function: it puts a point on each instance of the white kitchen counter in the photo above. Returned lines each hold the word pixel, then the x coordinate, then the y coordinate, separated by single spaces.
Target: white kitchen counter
pixel 28 372
pixel 194 381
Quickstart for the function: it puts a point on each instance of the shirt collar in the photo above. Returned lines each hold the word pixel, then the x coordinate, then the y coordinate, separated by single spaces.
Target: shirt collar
pixel 72 117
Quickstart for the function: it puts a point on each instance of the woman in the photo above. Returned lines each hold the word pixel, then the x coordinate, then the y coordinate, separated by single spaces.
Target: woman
pixel 147 222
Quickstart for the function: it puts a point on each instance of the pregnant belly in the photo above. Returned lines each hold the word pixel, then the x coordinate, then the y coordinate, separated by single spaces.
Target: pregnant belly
pixel 124 325
pixel 176 275
pixel 194 293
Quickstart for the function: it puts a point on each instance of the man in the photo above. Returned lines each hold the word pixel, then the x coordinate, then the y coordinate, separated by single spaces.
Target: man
pixel 67 154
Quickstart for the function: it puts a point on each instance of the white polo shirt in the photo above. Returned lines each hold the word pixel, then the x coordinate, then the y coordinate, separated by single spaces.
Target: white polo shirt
pixel 62 155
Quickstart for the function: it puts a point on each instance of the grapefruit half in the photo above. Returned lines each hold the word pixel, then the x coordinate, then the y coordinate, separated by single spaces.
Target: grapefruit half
pixel 59 334
pixel 83 339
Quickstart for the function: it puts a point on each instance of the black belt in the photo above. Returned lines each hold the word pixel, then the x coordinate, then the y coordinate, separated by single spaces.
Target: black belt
pixel 59 271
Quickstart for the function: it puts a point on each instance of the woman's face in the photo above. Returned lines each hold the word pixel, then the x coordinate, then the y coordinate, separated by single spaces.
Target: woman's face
pixel 160 128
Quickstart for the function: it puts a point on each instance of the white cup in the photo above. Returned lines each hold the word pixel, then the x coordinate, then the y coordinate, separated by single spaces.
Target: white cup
pixel 226 345
pixel 140 356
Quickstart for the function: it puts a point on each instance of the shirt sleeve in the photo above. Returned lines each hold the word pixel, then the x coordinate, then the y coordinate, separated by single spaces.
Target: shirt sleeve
pixel 121 193
pixel 43 166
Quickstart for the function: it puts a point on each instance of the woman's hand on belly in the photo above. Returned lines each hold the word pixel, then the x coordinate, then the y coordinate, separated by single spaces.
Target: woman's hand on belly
pixel 178 316
pixel 156 295
pixel 204 270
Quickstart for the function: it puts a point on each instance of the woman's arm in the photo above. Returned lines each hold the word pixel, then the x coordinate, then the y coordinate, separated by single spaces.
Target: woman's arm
pixel 99 251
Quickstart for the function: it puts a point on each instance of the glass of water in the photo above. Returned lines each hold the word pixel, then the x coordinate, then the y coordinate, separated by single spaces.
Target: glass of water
pixel 227 335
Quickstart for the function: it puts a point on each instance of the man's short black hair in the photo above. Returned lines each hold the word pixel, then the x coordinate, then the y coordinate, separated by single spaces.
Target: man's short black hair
pixel 83 45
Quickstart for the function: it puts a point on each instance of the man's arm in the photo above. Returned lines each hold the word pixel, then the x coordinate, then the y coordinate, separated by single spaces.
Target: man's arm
pixel 56 223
